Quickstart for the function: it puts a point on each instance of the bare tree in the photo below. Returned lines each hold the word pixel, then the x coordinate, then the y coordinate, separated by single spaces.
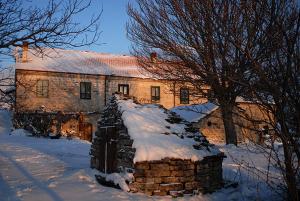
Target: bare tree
pixel 192 40
pixel 248 48
pixel 276 81
pixel 7 87
pixel 53 25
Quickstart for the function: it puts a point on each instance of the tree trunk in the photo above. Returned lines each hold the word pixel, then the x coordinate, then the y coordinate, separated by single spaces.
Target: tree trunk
pixel 227 116
pixel 288 150
pixel 289 173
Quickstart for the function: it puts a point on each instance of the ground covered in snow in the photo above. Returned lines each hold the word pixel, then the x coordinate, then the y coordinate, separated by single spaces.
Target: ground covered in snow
pixel 36 169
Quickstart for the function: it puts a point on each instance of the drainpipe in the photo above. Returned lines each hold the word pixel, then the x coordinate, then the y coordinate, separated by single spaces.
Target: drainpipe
pixel 15 101
pixel 105 86
pixel 174 94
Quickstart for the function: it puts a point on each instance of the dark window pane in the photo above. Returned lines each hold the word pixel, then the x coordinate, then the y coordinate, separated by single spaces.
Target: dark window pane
pixel 184 96
pixel 155 94
pixel 42 88
pixel 85 90
pixel 210 95
pixel 124 89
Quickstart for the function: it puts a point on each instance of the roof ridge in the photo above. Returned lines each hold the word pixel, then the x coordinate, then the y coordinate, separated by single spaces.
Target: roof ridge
pixel 85 51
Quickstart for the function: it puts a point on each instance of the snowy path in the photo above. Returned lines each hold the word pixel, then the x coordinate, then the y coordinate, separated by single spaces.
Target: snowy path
pixel 43 169
pixel 38 169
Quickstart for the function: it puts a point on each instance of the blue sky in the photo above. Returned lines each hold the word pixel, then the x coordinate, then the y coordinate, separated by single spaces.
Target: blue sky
pixel 113 38
pixel 113 26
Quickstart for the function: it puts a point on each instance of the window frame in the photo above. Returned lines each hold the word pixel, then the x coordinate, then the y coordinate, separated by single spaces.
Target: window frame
pixel 87 94
pixel 210 95
pixel 185 100
pixel 155 98
pixel 40 89
pixel 123 85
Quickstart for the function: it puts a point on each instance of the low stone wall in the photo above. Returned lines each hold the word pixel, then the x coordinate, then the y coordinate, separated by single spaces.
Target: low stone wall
pixel 112 151
pixel 42 123
pixel 173 176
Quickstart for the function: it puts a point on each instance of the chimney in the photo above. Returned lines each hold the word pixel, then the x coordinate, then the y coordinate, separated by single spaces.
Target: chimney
pixel 153 56
pixel 24 51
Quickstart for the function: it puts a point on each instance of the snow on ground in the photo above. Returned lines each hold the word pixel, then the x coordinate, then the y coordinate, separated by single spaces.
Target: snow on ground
pixel 146 126
pixel 34 169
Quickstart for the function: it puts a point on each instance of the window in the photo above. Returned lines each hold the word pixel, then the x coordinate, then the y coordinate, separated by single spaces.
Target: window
pixel 124 89
pixel 42 88
pixel 210 95
pixel 184 96
pixel 85 90
pixel 155 94
pixel 265 130
pixel 209 123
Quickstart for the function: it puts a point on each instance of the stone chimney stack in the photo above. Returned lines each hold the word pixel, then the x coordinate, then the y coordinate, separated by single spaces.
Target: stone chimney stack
pixel 25 52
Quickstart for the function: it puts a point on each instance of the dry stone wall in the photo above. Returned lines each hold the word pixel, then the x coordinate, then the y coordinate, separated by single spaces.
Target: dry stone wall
pixel 169 176
pixel 177 176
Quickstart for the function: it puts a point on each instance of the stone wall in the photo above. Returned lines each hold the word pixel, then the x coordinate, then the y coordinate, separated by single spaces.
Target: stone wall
pixel 176 176
pixel 168 176
pixel 42 123
pixel 141 89
pixel 64 91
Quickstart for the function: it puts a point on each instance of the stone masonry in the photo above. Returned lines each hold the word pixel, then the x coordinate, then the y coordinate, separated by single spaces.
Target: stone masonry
pixel 168 176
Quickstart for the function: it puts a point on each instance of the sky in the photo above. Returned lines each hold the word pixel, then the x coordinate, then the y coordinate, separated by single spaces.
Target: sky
pixel 113 20
pixel 113 26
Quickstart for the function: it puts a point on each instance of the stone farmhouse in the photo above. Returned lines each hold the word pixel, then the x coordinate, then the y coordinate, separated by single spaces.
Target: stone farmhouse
pixel 70 88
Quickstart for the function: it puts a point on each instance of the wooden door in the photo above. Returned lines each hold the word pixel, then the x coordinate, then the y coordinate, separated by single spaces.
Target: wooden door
pixel 108 149
pixel 86 131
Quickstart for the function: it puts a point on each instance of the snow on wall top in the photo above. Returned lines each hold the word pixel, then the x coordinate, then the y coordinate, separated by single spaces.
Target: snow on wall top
pixel 154 137
pixel 194 113
pixel 84 62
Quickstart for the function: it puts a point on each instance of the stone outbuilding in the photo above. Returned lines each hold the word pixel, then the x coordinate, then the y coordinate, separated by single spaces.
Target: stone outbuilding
pixel 166 154
pixel 250 119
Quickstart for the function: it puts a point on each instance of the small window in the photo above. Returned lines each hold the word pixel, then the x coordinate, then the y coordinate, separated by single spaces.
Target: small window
pixel 265 130
pixel 124 89
pixel 85 90
pixel 155 94
pixel 210 95
pixel 184 96
pixel 209 123
pixel 42 88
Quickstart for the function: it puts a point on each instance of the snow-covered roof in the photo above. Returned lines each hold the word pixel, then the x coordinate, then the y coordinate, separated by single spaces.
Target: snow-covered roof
pixel 155 138
pixel 194 113
pixel 240 99
pixel 84 62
